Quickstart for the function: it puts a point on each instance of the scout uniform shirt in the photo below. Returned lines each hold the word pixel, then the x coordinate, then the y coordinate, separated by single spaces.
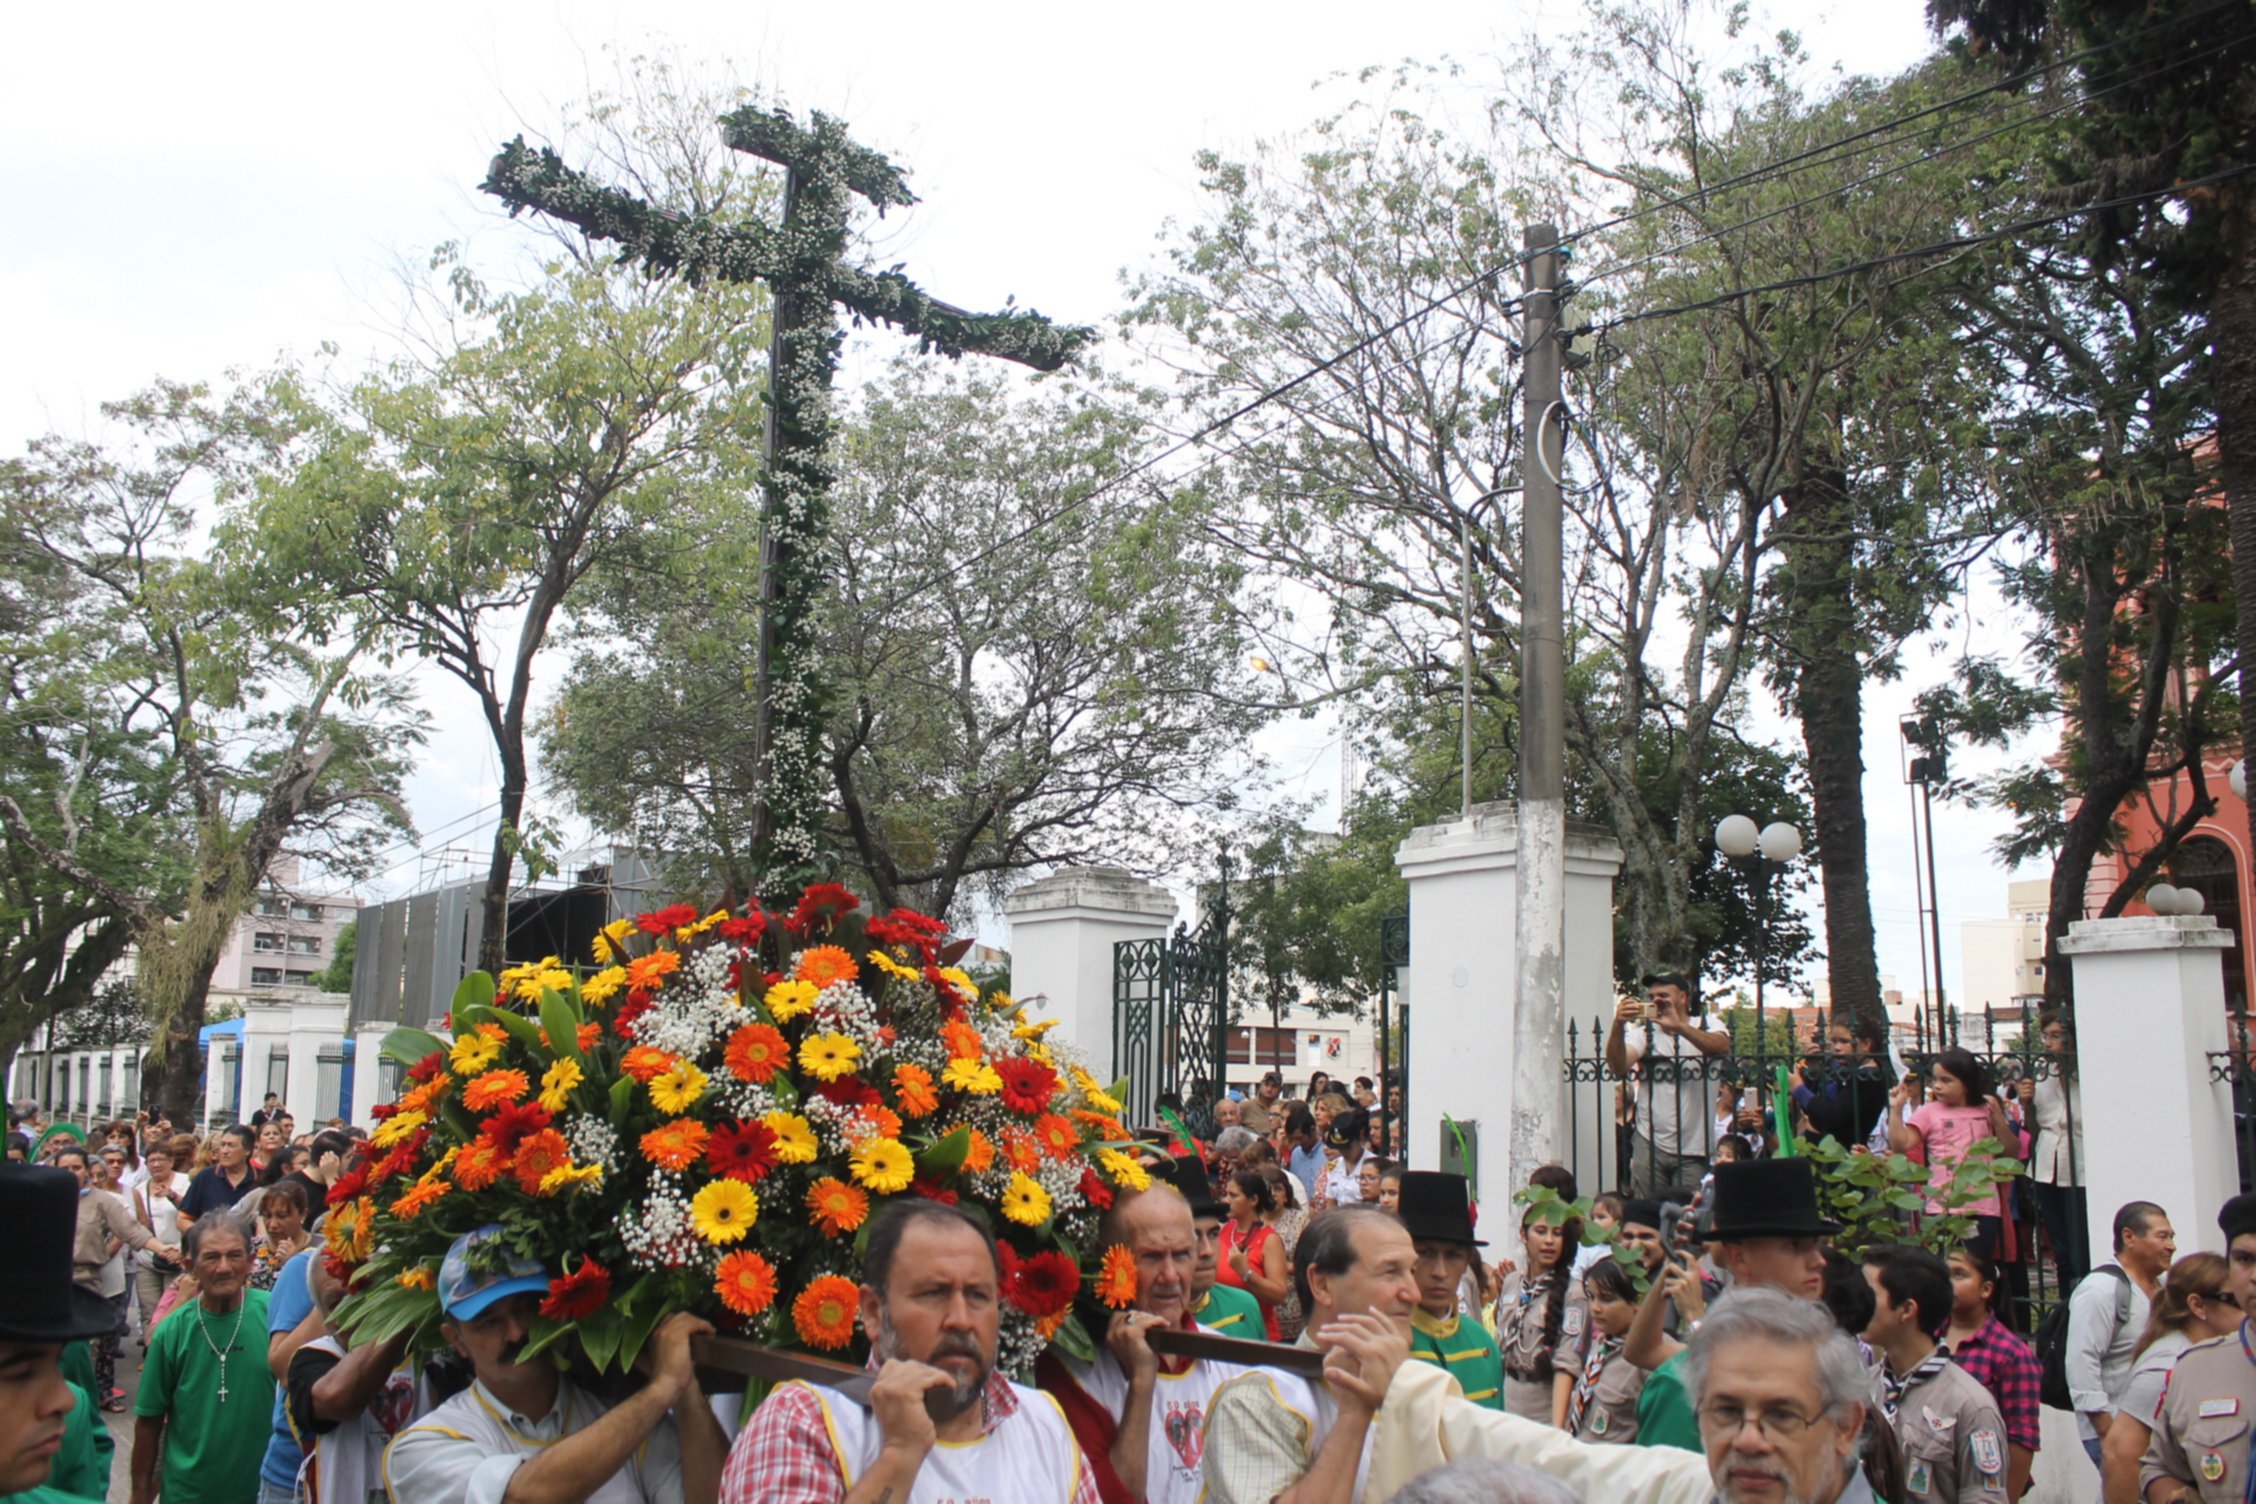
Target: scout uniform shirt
pixel 2201 1430
pixel 1604 1406
pixel 1953 1438
pixel 1520 1318
pixel 1464 1347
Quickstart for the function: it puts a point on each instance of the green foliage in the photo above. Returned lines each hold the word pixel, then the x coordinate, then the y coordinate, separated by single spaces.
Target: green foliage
pixel 337 975
pixel 1875 1196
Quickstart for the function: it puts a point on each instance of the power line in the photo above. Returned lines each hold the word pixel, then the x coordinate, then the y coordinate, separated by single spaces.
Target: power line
pixel 1956 243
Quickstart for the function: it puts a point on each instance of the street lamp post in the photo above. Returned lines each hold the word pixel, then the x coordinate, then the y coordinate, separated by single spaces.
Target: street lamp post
pixel 1774 845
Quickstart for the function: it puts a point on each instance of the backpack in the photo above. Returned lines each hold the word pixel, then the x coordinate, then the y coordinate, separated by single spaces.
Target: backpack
pixel 2052 1339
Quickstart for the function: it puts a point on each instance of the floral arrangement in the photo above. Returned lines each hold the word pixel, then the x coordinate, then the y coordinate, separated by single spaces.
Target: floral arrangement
pixel 706 1119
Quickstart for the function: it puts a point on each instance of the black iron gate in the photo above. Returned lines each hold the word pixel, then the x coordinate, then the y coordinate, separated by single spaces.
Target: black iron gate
pixel 1394 1033
pixel 1171 1014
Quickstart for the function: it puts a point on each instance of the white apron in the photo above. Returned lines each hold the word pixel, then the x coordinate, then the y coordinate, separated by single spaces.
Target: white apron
pixel 1030 1458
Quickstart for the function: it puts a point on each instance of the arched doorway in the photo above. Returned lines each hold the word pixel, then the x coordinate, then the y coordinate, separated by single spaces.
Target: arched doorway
pixel 2205 864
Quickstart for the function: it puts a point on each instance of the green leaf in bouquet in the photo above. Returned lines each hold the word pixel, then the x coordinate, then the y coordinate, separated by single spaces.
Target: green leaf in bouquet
pixel 408 1046
pixel 945 1158
pixel 523 1029
pixel 1906 1201
pixel 622 1101
pixel 476 991
pixel 1075 1340
pixel 562 1021
pixel 635 1329
pixel 600 1334
pixel 1118 1091
pixel 546 1333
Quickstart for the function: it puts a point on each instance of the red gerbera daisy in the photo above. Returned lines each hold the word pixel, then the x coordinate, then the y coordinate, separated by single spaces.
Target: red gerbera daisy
pixel 744 928
pixel 920 932
pixel 824 904
pixel 932 1190
pixel 850 1091
pixel 1041 1284
pixel 351 1186
pixel 537 1155
pixel 1028 1085
pixel 1095 1191
pixel 513 1123
pixel 745 1152
pixel 672 917
pixel 430 1065
pixel 636 1005
pixel 579 1294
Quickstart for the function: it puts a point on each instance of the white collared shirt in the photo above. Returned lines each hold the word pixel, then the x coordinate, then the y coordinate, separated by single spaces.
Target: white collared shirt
pixel 464 1452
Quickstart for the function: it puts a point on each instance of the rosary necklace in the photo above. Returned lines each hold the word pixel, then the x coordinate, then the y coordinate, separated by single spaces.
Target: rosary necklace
pixel 217 1351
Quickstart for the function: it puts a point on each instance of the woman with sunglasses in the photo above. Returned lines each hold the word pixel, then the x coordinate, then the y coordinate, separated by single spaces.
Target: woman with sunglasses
pixel 2193 1305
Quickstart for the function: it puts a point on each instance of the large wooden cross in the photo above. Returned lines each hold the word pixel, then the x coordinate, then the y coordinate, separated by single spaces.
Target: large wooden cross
pixel 802 262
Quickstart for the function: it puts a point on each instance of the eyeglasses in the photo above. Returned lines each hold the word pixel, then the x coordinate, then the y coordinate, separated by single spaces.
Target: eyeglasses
pixel 1778 1426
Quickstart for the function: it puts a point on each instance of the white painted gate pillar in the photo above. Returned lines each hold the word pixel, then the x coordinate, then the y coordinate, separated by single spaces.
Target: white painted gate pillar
pixel 1459 989
pixel 2150 1011
pixel 1063 929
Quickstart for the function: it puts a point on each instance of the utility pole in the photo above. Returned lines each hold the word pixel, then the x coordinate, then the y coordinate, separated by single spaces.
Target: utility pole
pixel 1539 1017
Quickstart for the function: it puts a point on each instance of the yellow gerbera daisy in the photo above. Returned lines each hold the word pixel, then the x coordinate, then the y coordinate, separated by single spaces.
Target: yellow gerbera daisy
pixel 557 1083
pixel 610 938
pixel 826 1057
pixel 1098 1099
pixel 795 1138
pixel 398 1126
pixel 724 1211
pixel 672 1092
pixel 1032 1032
pixel 893 968
pixel 570 1175
pixel 1124 1170
pixel 474 1052
pixel 882 1165
pixel 974 1076
pixel 960 983
pixel 1024 1200
pixel 603 986
pixel 787 1000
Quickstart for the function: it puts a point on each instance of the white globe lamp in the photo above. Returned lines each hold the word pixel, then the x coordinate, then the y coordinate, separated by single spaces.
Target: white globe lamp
pixel 2162 898
pixel 1735 835
pixel 1780 842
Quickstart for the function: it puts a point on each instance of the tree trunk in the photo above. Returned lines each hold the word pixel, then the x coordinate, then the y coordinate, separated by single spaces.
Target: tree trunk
pixel 493 907
pixel 1821 640
pixel 2232 325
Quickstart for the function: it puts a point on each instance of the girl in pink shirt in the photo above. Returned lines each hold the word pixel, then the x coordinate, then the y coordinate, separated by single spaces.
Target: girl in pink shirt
pixel 1961 1113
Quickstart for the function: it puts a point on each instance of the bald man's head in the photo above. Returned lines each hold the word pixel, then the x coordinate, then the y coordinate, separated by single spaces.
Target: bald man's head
pixel 1155 1226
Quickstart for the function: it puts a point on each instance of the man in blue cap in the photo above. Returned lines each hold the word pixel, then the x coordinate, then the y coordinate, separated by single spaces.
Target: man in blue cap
pixel 523 1433
pixel 53 1448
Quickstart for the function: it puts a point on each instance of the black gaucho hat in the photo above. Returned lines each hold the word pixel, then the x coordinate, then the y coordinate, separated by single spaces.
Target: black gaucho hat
pixel 1438 1205
pixel 1767 1198
pixel 1189 1176
pixel 38 1301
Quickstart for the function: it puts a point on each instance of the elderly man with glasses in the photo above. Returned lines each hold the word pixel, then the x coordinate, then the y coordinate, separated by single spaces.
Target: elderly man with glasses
pixel 1779 1391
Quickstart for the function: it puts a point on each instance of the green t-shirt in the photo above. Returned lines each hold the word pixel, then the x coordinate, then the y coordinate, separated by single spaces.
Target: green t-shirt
pixel 1664 1410
pixel 1233 1313
pixel 212 1446
pixel 78 1365
pixel 1466 1349
pixel 83 1465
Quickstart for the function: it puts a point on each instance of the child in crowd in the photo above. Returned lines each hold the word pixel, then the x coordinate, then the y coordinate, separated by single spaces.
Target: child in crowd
pixel 1602 1407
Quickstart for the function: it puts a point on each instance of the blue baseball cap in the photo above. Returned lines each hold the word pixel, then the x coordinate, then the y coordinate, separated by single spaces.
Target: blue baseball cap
pixel 464 1292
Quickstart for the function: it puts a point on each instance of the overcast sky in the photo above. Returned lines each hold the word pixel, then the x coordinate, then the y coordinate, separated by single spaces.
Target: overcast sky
pixel 191 189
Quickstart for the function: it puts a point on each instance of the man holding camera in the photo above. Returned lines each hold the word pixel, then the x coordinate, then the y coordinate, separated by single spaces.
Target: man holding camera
pixel 1675 1099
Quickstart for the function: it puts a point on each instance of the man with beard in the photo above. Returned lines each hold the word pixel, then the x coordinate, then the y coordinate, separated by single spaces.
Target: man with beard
pixel 1259 1112
pixel 932 1307
pixel 1780 1392
pixel 1141 1418
pixel 523 1433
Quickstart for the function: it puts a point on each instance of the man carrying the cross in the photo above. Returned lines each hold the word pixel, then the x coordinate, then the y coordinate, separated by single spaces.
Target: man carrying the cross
pixel 1141 1418
pixel 940 1424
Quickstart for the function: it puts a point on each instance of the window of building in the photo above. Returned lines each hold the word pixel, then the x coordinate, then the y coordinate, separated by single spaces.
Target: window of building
pixel 1261 1046
pixel 102 1103
pixel 329 1081
pixel 300 978
pixel 278 1070
pixel 270 908
pixel 309 912
pixel 266 976
pixel 132 1081
pixel 305 945
pixel 230 1079
pixel 62 1093
pixel 85 1082
pixel 390 1074
pixel 267 940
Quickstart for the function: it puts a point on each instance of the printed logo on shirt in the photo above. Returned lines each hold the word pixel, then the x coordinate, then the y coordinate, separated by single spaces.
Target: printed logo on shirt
pixel 1989 1452
pixel 1185 1428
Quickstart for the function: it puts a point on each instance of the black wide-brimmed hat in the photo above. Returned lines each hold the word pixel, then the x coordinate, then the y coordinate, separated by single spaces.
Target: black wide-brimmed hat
pixel 1438 1205
pixel 1189 1176
pixel 1767 1198
pixel 38 1301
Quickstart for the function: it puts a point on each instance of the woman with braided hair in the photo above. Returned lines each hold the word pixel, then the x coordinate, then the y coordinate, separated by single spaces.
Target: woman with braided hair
pixel 1542 1319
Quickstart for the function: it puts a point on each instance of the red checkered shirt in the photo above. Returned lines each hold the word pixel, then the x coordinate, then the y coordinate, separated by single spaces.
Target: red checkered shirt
pixel 784 1456
pixel 2009 1370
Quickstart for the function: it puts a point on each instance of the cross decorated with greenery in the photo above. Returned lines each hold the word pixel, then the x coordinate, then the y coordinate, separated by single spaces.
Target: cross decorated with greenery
pixel 802 262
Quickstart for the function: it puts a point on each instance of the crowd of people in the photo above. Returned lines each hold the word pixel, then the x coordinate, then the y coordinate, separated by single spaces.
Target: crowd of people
pixel 1695 1335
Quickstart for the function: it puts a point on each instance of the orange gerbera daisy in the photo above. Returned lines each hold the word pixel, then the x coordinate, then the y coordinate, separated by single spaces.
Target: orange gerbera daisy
pixel 1116 1282
pixel 537 1155
pixel 912 1087
pixel 838 1208
pixel 1058 1137
pixel 981 1155
pixel 646 972
pixel 676 1145
pixel 421 1098
pixel 587 1034
pixel 418 1196
pixel 645 1062
pixel 756 1052
pixel 824 965
pixel 494 1088
pixel 1022 1151
pixel 881 1121
pixel 1111 1130
pixel 824 1311
pixel 480 1164
pixel 745 1282
pixel 962 1039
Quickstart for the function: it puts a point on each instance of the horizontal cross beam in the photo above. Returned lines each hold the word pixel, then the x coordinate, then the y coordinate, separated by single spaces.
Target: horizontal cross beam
pixel 667 243
pixel 773 136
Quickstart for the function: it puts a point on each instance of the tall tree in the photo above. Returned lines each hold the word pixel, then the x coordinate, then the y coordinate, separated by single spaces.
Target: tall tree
pixel 2168 143
pixel 247 699
pixel 1036 660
